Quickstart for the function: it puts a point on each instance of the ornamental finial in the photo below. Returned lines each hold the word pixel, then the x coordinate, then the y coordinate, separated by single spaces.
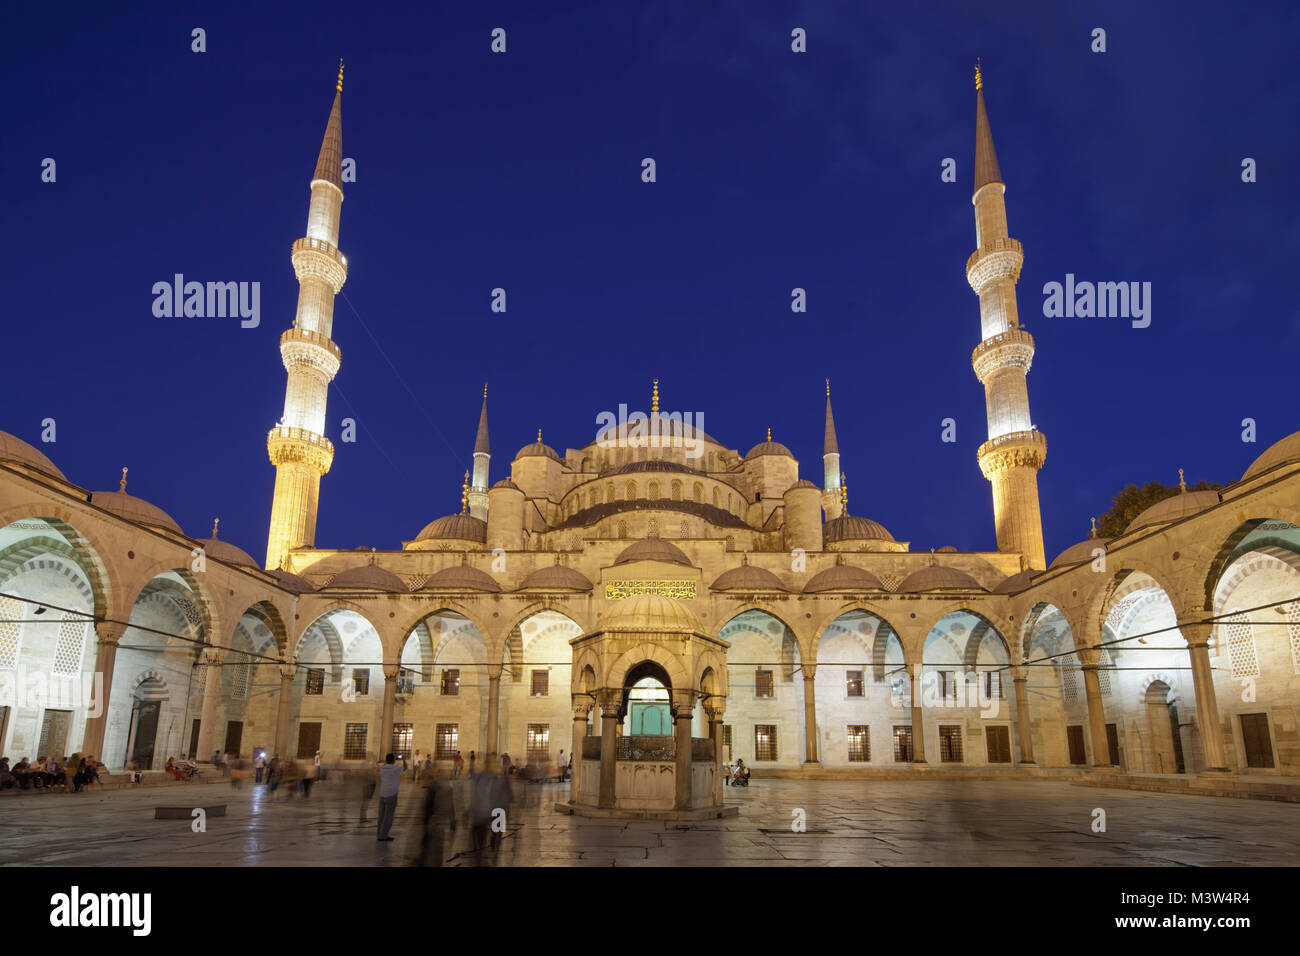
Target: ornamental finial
pixel 464 494
pixel 1182 485
pixel 769 432
pixel 122 486
pixel 979 77
pixel 1093 533
pixel 654 399
pixel 340 83
pixel 485 391
pixel 539 436
pixel 215 522
pixel 828 388
pixel 844 492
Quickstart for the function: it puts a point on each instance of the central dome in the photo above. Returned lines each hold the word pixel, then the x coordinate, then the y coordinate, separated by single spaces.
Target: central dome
pixel 650 612
pixel 854 528
pixel 461 527
pixel 653 549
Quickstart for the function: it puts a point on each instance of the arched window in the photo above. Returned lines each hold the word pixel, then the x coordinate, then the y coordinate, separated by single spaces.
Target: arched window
pixel 654 490
pixel 699 492
pixel 609 492
pixel 717 498
pixel 631 490
pixel 686 530
pixel 677 490
pixel 731 503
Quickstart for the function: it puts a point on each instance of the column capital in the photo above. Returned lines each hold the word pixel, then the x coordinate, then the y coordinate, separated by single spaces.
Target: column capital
pixel 1196 632
pixel 582 705
pixel 213 656
pixel 809 671
pixel 494 671
pixel 288 671
pixel 390 672
pixel 110 632
pixel 610 700
pixel 715 708
pixel 683 702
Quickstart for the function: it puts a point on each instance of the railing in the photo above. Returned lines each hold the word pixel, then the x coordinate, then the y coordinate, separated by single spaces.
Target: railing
pixel 302 434
pixel 1027 437
pixel 315 338
pixel 320 245
pixel 997 245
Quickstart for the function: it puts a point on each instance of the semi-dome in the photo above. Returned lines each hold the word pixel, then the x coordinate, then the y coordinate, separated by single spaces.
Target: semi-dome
pixel 843 577
pixel 556 577
pixel 938 578
pixel 369 577
pixel 1280 452
pixel 461 577
pixel 650 613
pixel 1017 582
pixel 461 527
pixel 946 549
pixel 505 483
pixel 748 578
pixel 227 552
pixel 854 528
pixel 291 582
pixel 768 447
pixel 653 549
pixel 134 509
pixel 1173 508
pixel 537 449
pixel 14 449
pixel 1078 553
pixel 802 483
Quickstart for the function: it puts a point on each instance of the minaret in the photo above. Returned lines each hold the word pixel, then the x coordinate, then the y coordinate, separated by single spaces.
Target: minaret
pixel 478 490
pixel 831 499
pixel 1010 459
pixel 297 445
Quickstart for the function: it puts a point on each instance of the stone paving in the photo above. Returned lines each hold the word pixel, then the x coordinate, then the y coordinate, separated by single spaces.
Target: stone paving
pixel 848 823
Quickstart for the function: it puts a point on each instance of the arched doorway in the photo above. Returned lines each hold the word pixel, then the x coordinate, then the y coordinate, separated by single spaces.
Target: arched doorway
pixel 1165 748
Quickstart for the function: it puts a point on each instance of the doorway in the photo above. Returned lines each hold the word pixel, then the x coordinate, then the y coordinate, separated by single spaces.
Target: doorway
pixel 54 733
pixel 1162 724
pixel 234 736
pixel 146 733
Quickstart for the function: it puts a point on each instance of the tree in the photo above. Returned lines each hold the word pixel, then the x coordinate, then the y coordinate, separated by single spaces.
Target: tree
pixel 1132 501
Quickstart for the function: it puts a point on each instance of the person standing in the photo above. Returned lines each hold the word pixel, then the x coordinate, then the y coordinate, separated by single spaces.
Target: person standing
pixel 560 767
pixel 259 765
pixel 457 764
pixel 415 767
pixel 390 779
pixel 472 758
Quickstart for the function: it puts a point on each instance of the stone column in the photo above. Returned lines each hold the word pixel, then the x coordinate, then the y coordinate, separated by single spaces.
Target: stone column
pixel 1022 715
pixel 581 705
pixel 213 659
pixel 610 702
pixel 916 672
pixel 390 705
pixel 685 701
pixel 715 732
pixel 494 709
pixel 1207 705
pixel 1096 718
pixel 810 718
pixel 108 634
pixel 287 672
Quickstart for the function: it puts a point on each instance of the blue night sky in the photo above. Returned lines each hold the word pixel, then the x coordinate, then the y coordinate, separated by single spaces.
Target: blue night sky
pixel 522 170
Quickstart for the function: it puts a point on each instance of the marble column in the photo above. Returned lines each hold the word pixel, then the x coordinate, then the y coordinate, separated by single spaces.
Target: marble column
pixel 810 718
pixel 108 634
pixel 580 708
pixel 609 705
pixel 390 705
pixel 494 710
pixel 1207 705
pixel 281 749
pixel 209 742
pixel 916 672
pixel 1096 718
pixel 715 732
pixel 1022 715
pixel 682 749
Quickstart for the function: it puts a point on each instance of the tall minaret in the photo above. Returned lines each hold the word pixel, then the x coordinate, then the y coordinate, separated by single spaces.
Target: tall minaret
pixel 297 445
pixel 831 498
pixel 478 489
pixel 1010 459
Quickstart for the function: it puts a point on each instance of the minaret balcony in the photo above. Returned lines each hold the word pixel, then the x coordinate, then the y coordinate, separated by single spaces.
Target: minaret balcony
pixel 317 258
pixel 999 259
pixel 1022 449
pixel 305 347
pixel 287 444
pixel 1013 348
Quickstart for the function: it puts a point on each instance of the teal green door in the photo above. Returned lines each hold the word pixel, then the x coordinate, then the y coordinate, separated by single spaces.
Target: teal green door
pixel 650 718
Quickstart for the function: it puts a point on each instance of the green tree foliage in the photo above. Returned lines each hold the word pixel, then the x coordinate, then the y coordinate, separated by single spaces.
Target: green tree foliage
pixel 1132 501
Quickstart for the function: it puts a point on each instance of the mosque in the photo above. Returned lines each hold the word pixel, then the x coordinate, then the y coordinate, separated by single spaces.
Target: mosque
pixel 659 604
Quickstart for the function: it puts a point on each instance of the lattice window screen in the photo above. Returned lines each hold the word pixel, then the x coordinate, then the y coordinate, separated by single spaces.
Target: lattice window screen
pixel 1069 672
pixel 1241 646
pixel 1293 630
pixel 243 674
pixel 11 611
pixel 71 646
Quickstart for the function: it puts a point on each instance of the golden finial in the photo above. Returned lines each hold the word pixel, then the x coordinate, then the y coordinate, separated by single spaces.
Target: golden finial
pixel 539 436
pixel 654 399
pixel 485 391
pixel 464 494
pixel 979 77
pixel 769 432
pixel 1182 485
pixel 844 492
pixel 340 84
pixel 215 522
pixel 828 388
pixel 122 486
pixel 1093 533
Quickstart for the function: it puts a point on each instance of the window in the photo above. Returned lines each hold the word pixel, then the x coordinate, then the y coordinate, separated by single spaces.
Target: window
pixel 726 742
pixel 853 680
pixel 308 739
pixel 765 741
pixel 763 686
pixel 998 740
pixel 354 741
pixel 541 684
pixel 539 740
pixel 1256 740
pixel 406 681
pixel 993 685
pixel 859 743
pixel 949 743
pixel 902 744
pixel 450 681
pixel 1074 739
pixel 1112 744
pixel 446 741
pixel 947 685
pixel 402 739
pixel 361 681
pixel 315 681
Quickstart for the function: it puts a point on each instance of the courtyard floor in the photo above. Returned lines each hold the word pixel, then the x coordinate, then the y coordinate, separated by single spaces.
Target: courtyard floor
pixel 846 823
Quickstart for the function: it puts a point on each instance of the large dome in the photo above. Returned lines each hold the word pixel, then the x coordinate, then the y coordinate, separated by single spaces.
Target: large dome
pixel 853 528
pixel 14 449
pixel 556 577
pixel 650 613
pixel 748 578
pixel 134 509
pixel 461 577
pixel 1173 508
pixel 1288 449
pixel 843 577
pixel 461 527
pixel 653 549
pixel 537 449
pixel 1078 553
pixel 369 577
pixel 768 447
pixel 938 578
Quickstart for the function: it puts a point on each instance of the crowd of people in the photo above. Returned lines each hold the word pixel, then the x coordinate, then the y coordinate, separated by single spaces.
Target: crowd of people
pixel 50 773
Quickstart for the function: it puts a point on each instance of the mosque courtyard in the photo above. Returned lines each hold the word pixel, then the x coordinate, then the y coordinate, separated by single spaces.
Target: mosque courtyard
pixel 781 822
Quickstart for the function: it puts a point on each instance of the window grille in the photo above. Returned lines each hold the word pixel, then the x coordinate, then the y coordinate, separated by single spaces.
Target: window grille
pixel 854 686
pixel 763 686
pixel 446 741
pixel 539 740
pixel 450 681
pixel 949 743
pixel 765 741
pixel 354 741
pixel 859 743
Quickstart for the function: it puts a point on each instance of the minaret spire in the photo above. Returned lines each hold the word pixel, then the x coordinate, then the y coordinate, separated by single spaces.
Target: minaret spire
pixel 1010 459
pixel 297 445
pixel 832 501
pixel 478 497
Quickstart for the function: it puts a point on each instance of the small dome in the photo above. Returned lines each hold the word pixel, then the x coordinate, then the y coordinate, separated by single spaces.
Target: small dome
pixel 946 549
pixel 748 578
pixel 802 483
pixel 14 449
pixel 461 577
pixel 506 483
pixel 768 447
pixel 1078 553
pixel 1288 449
pixel 537 449
pixel 134 509
pixel 843 577
pixel 1182 505
pixel 1017 582
pixel 227 552
pixel 291 582
pixel 460 527
pixel 938 578
pixel 853 528
pixel 650 612
pixel 370 577
pixel 556 577
pixel 653 549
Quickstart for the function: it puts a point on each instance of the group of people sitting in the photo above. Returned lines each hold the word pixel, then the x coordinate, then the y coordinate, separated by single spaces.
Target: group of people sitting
pixel 46 773
pixel 187 769
pixel 737 776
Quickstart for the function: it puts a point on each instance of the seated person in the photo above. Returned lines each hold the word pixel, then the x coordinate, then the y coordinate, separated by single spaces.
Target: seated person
pixel 7 780
pixel 22 774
